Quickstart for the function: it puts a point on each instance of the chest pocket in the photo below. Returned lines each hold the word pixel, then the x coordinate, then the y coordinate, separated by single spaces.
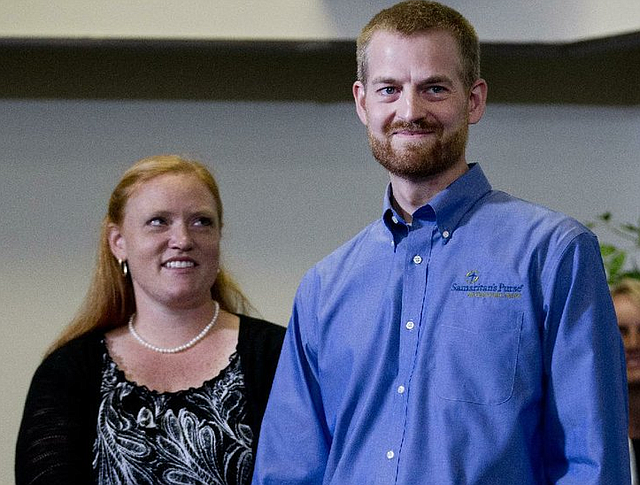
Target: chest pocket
pixel 476 361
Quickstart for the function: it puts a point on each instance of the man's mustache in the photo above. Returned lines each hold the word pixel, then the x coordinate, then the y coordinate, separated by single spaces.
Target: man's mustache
pixel 417 126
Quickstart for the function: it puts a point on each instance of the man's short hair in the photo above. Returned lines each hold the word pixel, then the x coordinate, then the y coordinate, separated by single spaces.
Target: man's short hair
pixel 415 16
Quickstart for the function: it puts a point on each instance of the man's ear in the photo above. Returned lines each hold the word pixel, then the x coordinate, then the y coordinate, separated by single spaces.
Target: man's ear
pixel 117 242
pixel 359 98
pixel 477 100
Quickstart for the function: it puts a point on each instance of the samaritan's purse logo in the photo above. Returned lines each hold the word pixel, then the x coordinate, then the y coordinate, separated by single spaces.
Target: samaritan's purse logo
pixel 472 276
pixel 474 289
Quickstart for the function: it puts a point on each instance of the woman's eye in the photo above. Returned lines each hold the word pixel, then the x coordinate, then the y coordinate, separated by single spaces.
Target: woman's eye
pixel 156 221
pixel 203 221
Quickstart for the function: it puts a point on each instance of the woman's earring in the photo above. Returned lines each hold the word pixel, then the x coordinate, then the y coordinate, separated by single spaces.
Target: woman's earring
pixel 124 267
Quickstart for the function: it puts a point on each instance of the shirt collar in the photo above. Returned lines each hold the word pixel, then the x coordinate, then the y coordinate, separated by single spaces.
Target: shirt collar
pixel 448 207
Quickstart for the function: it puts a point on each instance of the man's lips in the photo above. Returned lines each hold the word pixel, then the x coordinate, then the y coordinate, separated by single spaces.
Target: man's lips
pixel 413 129
pixel 413 132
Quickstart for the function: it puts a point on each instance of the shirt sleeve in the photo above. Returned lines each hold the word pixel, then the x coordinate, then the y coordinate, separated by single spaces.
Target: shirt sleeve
pixel 585 413
pixel 54 442
pixel 295 440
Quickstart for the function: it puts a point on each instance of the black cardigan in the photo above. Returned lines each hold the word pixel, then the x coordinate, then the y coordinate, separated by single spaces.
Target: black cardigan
pixel 58 429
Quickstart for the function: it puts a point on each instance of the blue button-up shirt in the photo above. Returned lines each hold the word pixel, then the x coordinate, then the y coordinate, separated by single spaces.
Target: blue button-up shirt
pixel 477 345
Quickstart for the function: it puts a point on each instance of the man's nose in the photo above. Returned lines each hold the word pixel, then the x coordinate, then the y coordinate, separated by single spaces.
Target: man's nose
pixel 412 106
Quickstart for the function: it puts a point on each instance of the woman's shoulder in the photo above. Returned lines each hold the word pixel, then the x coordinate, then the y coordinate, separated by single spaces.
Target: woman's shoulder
pixel 86 342
pixel 259 344
pixel 82 352
pixel 259 326
pixel 256 334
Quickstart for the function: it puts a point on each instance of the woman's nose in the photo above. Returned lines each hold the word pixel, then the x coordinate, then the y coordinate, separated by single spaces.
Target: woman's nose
pixel 181 237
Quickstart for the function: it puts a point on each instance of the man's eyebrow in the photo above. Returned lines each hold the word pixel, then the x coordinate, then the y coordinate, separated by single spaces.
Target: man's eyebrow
pixel 383 80
pixel 436 79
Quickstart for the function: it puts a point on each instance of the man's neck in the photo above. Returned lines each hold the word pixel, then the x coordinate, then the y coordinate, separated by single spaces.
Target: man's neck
pixel 411 194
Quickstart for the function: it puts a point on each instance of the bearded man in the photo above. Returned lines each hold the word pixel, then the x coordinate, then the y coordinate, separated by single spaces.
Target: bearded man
pixel 465 337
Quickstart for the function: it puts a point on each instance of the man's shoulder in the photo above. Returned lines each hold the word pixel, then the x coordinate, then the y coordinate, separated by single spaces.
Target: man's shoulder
pixel 365 245
pixel 371 236
pixel 517 215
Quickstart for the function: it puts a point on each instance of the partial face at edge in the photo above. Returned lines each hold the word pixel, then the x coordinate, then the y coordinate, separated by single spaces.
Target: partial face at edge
pixel 628 315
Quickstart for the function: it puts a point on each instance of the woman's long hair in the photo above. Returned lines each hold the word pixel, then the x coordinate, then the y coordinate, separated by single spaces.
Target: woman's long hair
pixel 110 300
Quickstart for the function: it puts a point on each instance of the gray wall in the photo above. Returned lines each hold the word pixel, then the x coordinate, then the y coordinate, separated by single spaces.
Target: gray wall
pixel 296 178
pixel 495 20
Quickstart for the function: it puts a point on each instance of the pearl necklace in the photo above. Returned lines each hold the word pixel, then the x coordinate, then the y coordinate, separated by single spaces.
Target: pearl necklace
pixel 179 348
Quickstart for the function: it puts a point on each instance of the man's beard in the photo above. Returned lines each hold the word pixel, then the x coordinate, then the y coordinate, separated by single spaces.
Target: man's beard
pixel 421 159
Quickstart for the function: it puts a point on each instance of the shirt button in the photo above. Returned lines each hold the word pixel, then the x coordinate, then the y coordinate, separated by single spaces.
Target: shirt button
pixel 445 234
pixel 394 219
pixel 400 389
pixel 410 325
pixel 417 259
pixel 390 454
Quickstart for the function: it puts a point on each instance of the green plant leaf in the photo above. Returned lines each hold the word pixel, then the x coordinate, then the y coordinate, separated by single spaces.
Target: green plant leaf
pixel 634 274
pixel 607 250
pixel 616 263
pixel 630 228
pixel 619 262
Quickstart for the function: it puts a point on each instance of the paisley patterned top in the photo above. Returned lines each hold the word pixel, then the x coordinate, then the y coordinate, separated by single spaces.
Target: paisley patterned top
pixel 195 436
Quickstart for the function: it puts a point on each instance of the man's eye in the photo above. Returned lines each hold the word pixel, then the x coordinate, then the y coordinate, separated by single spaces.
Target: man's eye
pixel 436 89
pixel 388 90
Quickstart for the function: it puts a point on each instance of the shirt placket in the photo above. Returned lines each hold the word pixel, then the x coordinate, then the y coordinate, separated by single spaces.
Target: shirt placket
pixel 415 258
